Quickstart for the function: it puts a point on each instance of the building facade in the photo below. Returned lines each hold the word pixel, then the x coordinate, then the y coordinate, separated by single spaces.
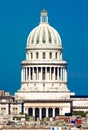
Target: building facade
pixel 10 106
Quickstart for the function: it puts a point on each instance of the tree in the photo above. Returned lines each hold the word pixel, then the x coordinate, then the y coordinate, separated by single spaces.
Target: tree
pixel 81 113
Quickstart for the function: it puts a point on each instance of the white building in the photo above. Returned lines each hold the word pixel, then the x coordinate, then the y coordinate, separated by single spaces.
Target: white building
pixel 44 91
pixel 44 73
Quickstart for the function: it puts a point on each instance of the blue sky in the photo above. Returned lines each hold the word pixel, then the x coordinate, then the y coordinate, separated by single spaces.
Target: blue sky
pixel 19 17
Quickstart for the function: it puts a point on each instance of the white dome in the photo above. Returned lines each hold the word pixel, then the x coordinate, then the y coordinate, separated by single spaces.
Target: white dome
pixel 44 34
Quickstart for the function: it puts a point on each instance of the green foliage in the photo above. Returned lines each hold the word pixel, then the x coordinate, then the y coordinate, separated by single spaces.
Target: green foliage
pixel 26 114
pixel 20 113
pixel 46 119
pixel 17 118
pixel 79 113
pixel 26 117
pixel 31 118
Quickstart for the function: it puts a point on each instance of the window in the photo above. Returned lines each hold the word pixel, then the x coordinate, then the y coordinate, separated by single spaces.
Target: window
pixel 44 18
pixel 15 110
pixel 50 55
pixel 37 55
pixel 43 85
pixel 3 110
pixel 43 56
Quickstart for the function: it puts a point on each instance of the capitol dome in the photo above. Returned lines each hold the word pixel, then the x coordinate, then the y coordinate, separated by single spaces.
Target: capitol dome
pixel 44 35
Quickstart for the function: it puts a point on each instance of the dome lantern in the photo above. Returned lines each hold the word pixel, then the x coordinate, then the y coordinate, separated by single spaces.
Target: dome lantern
pixel 44 16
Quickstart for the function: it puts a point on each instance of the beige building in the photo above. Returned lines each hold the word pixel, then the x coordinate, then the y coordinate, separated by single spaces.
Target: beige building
pixel 8 105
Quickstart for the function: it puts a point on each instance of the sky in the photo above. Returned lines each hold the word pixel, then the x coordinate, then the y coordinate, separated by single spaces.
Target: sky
pixel 68 17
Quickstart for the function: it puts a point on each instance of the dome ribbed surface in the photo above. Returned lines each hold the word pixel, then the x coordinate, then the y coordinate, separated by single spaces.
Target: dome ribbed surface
pixel 44 34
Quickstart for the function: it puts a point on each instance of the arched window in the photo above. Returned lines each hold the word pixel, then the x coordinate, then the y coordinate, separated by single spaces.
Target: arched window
pixel 31 56
pixel 50 55
pixel 30 111
pixel 50 112
pixel 36 113
pixel 56 111
pixel 37 55
pixel 43 55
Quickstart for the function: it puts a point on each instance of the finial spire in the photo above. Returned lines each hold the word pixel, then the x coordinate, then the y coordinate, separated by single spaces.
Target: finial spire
pixel 44 16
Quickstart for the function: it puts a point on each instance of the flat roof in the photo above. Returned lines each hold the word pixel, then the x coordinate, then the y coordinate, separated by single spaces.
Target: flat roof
pixel 79 96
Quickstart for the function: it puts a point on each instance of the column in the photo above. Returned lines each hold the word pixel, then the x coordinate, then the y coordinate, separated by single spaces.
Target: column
pixel 29 73
pixel 61 73
pixel 61 111
pixel 26 73
pixel 40 113
pixel 54 73
pixel 37 73
pixel 33 112
pixel 65 74
pixel 58 73
pixel 50 73
pixel 33 73
pixel 22 74
pixel 41 72
pixel 46 73
pixel 46 112
pixel 53 112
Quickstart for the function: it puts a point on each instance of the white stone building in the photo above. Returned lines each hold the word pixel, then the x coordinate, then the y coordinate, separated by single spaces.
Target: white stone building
pixel 44 91
pixel 44 73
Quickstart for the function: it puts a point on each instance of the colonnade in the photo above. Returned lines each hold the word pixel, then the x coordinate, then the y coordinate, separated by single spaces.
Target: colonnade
pixel 44 112
pixel 44 73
